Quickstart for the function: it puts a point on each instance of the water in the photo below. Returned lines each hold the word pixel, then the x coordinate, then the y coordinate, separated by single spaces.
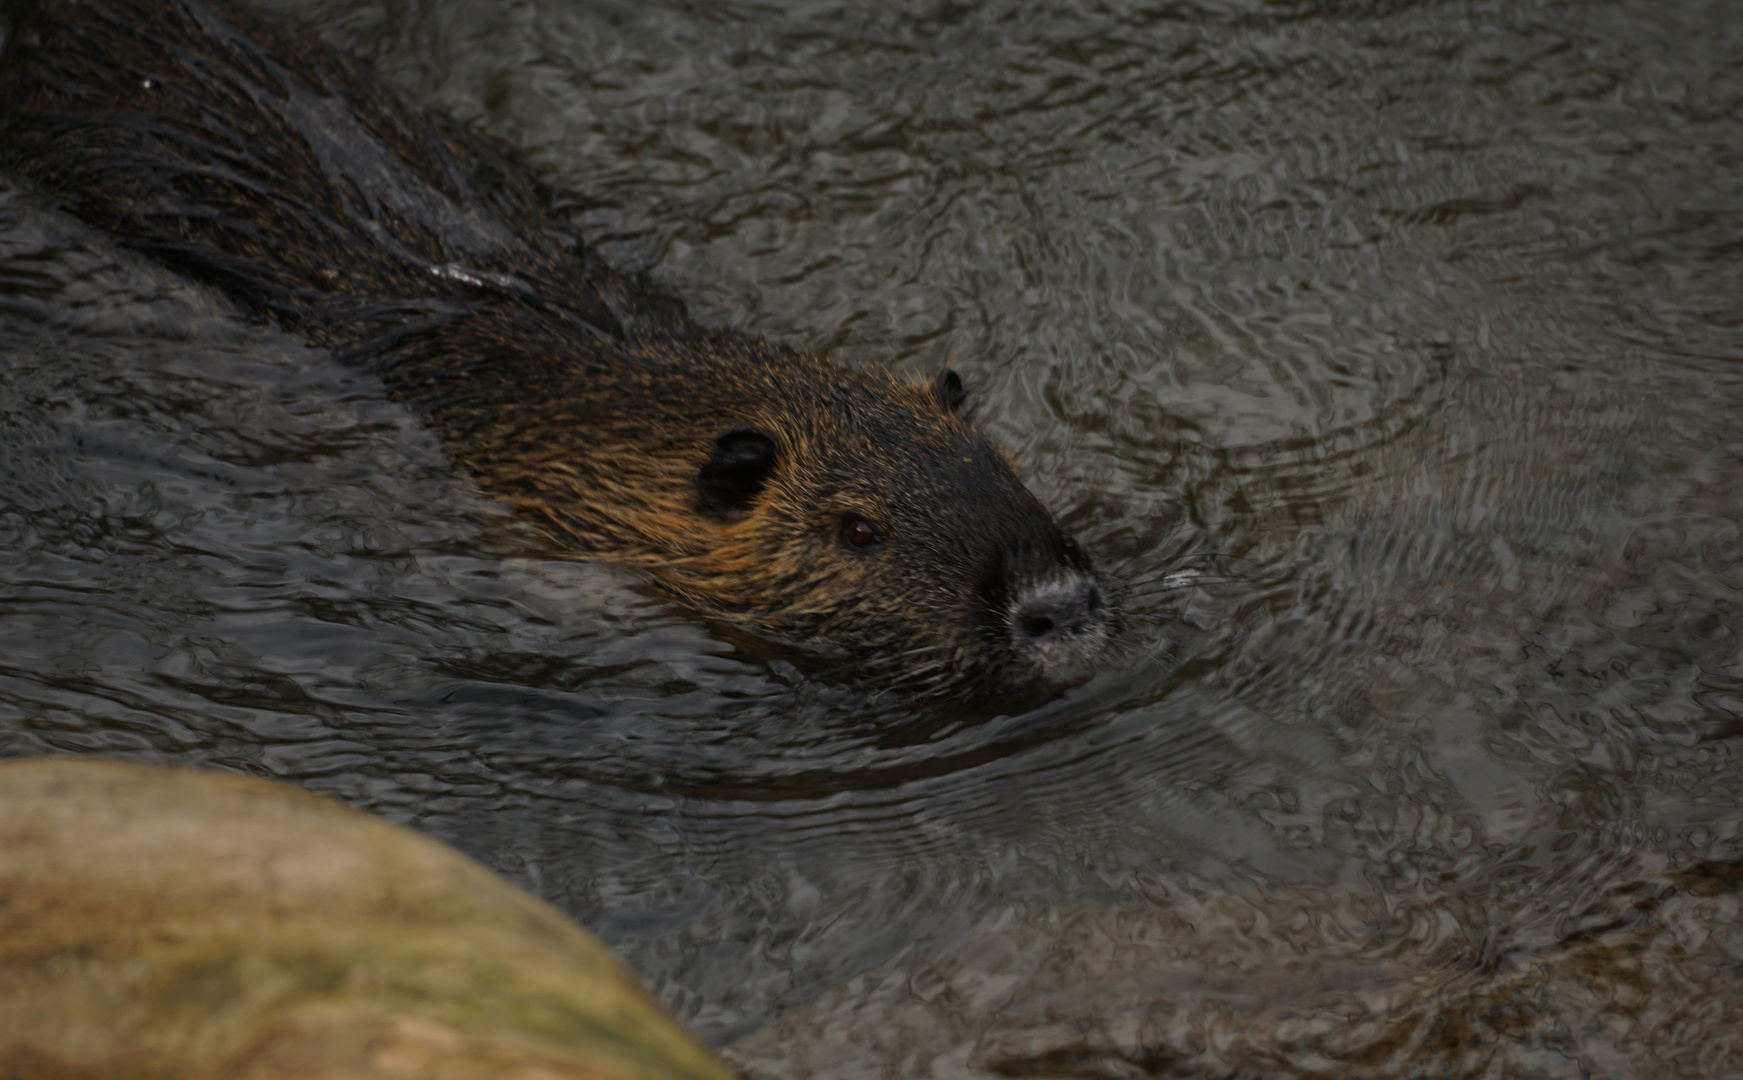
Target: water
pixel 1389 354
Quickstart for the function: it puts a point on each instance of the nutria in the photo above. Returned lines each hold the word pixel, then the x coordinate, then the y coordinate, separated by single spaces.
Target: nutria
pixel 850 510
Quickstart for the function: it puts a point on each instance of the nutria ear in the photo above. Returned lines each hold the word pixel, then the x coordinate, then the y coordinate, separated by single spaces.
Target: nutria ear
pixel 947 387
pixel 734 474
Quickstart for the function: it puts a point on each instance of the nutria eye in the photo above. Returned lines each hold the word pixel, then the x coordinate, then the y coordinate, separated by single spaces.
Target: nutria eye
pixel 857 532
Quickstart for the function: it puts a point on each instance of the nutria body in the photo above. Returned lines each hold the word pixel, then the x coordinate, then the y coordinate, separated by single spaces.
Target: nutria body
pixel 847 509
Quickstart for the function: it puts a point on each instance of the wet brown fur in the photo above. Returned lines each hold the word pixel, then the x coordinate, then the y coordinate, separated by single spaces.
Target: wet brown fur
pixel 243 152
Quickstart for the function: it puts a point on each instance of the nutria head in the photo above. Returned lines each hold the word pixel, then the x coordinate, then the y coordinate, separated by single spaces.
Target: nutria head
pixel 853 511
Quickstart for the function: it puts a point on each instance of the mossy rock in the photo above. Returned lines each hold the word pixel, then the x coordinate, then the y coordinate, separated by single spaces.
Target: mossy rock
pixel 177 923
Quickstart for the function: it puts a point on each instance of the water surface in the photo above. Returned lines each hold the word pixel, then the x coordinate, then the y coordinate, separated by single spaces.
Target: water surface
pixel 1390 354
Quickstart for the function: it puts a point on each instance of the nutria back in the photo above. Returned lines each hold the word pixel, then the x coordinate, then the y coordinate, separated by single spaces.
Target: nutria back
pixel 848 510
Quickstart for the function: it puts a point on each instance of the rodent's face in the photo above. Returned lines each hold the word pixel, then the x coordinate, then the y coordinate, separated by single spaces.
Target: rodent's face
pixel 872 519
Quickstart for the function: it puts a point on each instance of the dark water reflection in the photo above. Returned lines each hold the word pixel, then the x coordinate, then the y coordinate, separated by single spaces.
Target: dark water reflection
pixel 1389 353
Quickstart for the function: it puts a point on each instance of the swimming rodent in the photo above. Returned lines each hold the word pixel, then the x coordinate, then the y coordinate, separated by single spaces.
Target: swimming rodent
pixel 851 511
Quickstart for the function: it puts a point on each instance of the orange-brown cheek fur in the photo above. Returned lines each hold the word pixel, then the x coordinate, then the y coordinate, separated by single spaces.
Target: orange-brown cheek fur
pixel 780 564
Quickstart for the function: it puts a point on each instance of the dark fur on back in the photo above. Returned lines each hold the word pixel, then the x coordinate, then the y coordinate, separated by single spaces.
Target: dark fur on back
pixel 239 150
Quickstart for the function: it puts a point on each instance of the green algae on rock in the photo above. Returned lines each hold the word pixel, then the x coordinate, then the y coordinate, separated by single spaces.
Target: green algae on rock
pixel 174 923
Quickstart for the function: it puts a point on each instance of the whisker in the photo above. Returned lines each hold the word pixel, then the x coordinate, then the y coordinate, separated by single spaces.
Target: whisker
pixel 929 676
pixel 910 676
pixel 1173 583
pixel 890 658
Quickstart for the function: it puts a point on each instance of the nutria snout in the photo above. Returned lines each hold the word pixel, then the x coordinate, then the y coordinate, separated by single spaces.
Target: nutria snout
pixel 1061 624
pixel 851 511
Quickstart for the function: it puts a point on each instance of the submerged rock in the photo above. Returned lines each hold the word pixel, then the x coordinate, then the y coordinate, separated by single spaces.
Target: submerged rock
pixel 1638 979
pixel 173 923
